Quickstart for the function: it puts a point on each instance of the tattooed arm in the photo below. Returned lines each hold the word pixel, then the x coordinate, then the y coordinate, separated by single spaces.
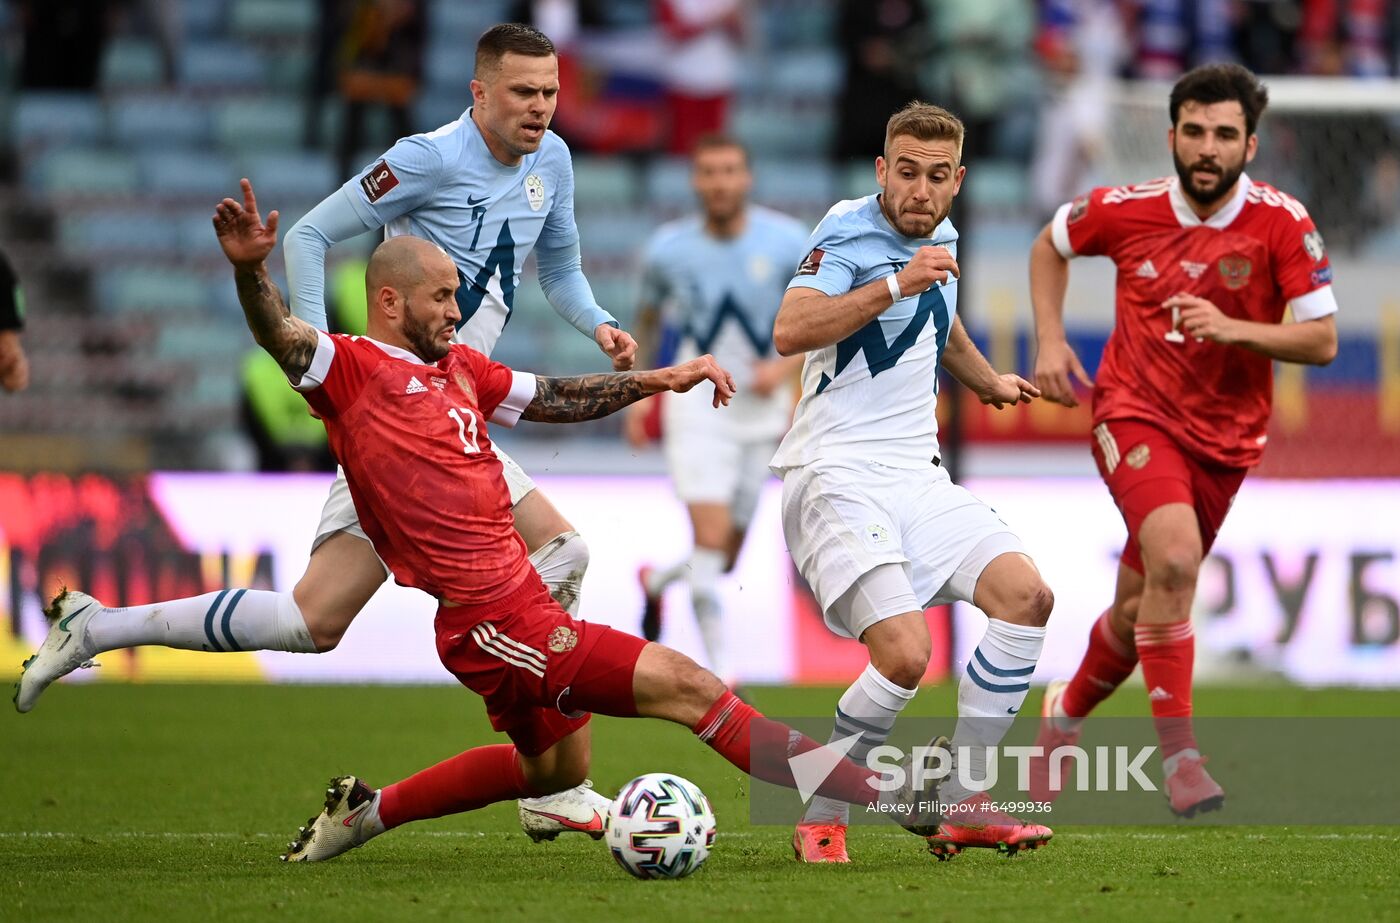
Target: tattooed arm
pixel 589 397
pixel 246 243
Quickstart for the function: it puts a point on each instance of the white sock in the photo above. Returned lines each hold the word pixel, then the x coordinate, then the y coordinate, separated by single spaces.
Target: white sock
pixel 371 825
pixel 706 566
pixel 868 708
pixel 992 690
pixel 229 620
pixel 1170 763
pixel 561 563
pixel 658 579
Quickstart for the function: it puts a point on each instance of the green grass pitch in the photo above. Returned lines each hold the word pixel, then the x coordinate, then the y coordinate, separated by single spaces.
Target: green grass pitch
pixel 136 802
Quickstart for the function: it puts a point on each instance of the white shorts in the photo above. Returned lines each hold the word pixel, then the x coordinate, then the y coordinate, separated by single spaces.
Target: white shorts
pixel 338 515
pixel 709 461
pixel 842 522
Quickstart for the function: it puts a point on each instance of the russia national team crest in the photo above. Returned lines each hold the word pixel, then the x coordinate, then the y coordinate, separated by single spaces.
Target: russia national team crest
pixel 534 191
pixel 561 639
pixel 1138 456
pixel 464 384
pixel 1234 271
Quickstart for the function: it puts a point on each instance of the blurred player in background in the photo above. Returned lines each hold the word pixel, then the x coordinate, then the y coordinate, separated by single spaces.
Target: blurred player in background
pixel 14 365
pixel 1208 261
pixel 719 278
pixel 406 410
pixel 488 188
pixel 874 524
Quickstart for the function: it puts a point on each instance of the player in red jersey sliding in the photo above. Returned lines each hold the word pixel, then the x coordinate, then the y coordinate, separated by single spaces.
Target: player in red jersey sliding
pixel 1207 262
pixel 406 410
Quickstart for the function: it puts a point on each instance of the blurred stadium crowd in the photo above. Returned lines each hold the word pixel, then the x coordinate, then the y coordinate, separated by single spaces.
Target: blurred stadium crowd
pixel 126 121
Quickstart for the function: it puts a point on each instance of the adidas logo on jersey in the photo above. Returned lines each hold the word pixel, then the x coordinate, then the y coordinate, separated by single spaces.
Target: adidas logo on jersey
pixel 1159 694
pixel 1146 270
pixel 415 386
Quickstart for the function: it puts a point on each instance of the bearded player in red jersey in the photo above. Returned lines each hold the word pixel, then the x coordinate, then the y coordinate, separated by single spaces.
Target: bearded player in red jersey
pixel 1207 262
pixel 406 410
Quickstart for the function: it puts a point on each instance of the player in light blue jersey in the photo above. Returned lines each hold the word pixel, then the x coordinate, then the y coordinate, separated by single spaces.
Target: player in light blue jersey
pixel 718 277
pixel 487 189
pixel 873 522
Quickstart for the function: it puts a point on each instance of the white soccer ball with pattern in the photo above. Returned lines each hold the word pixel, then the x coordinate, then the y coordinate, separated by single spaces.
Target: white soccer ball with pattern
pixel 660 826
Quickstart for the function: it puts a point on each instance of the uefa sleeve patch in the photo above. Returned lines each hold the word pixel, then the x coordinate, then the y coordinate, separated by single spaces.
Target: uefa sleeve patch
pixel 1314 247
pixel 812 263
pixel 378 181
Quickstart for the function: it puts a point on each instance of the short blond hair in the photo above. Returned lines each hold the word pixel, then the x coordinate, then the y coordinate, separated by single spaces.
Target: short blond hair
pixel 925 122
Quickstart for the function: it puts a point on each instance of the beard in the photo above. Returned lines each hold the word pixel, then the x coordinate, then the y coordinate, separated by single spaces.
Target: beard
pixel 424 341
pixel 1226 177
pixel 904 222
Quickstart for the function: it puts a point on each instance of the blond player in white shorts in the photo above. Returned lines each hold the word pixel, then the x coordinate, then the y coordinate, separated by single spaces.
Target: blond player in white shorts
pixel 873 522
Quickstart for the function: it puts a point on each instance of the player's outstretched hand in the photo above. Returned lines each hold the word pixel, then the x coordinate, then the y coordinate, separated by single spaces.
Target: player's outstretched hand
pixel 618 345
pixel 1202 319
pixel 242 234
pixel 14 366
pixel 1055 365
pixel 1009 389
pixel 684 377
pixel 930 265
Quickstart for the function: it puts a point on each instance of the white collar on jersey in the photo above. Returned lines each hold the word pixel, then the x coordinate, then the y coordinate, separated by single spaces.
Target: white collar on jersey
pixel 398 352
pixel 1221 219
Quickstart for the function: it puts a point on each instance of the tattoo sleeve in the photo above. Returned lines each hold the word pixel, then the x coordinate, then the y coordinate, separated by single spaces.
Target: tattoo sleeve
pixel 292 342
pixel 587 397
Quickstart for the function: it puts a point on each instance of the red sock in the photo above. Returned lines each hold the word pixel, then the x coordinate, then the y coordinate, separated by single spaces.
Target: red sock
pixel 1168 653
pixel 739 733
pixel 1106 664
pixel 465 782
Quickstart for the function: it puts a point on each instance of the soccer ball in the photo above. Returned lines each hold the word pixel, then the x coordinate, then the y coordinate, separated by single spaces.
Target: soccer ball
pixel 660 826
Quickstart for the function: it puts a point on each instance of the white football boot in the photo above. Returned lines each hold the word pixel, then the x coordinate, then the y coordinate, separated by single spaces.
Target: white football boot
pixel 915 806
pixel 350 819
pixel 64 650
pixel 576 810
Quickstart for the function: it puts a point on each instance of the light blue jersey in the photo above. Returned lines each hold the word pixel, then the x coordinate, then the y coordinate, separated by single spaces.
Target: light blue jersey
pixel 447 187
pixel 723 294
pixel 871 397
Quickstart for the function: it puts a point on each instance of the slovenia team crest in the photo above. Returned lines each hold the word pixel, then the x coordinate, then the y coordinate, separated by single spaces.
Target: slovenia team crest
pixel 534 191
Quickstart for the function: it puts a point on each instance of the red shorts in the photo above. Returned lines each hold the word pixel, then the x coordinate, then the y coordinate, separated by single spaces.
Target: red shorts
pixel 1145 468
pixel 534 664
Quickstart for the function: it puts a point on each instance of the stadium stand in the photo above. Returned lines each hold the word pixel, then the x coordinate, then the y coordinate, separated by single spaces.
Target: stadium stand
pixel 108 195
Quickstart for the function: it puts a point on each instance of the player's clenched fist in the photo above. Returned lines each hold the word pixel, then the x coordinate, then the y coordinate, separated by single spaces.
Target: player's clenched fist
pixel 705 368
pixel 930 265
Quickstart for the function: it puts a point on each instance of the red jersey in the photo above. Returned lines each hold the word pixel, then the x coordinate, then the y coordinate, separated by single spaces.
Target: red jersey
pixel 1250 259
pixel 412 439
